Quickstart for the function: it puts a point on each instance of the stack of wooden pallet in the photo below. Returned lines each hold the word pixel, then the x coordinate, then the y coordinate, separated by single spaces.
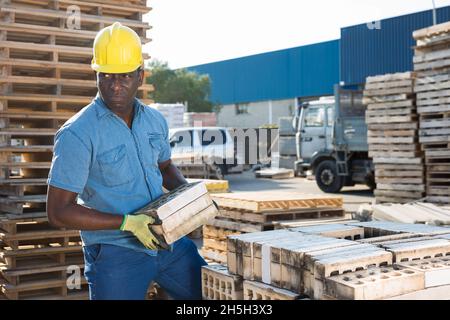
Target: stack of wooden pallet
pixel 432 66
pixel 246 212
pixel 393 138
pixel 375 260
pixel 45 78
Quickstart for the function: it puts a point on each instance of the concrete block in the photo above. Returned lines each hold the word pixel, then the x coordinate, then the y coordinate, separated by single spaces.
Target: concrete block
pixel 219 284
pixel 260 291
pixel 415 250
pixel 374 284
pixel 181 211
pixel 339 231
pixel 436 270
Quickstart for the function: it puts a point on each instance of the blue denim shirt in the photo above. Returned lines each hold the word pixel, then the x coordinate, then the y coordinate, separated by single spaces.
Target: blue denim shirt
pixel 112 168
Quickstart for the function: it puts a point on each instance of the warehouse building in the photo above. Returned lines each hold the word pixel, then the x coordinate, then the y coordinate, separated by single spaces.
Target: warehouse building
pixel 257 90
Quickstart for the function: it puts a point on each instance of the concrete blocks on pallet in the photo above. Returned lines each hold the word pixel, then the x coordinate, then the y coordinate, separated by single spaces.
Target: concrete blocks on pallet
pixel 338 231
pixel 320 265
pixel 382 228
pixel 219 284
pixel 181 211
pixel 374 283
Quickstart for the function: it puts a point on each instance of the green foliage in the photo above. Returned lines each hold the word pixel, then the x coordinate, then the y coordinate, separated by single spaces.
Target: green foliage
pixel 181 85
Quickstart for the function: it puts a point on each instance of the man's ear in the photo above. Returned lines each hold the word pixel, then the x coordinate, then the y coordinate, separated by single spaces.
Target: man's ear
pixel 141 77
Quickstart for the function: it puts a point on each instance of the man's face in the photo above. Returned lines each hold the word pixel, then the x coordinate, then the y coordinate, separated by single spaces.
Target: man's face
pixel 119 90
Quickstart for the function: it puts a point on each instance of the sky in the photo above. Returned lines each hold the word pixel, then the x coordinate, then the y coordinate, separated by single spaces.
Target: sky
pixel 191 32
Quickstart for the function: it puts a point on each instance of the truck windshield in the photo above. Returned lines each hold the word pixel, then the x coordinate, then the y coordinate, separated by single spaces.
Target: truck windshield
pixel 315 116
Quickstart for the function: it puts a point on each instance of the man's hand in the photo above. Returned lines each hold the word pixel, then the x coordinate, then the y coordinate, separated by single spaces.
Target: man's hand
pixel 139 226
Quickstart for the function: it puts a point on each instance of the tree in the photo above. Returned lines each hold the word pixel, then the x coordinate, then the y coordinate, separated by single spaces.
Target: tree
pixel 181 85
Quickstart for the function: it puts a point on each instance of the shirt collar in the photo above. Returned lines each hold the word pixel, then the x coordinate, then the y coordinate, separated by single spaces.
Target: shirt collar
pixel 103 110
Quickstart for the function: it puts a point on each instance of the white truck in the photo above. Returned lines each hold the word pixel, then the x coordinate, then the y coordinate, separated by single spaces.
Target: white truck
pixel 204 144
pixel 332 141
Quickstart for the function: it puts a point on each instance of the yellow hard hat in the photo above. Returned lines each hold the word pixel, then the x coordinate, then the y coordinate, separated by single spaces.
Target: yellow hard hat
pixel 117 49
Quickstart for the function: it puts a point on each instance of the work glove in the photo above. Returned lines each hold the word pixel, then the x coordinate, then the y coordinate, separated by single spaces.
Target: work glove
pixel 139 226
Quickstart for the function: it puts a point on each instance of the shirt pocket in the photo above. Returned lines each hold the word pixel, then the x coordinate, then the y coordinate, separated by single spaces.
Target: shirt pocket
pixel 115 166
pixel 155 141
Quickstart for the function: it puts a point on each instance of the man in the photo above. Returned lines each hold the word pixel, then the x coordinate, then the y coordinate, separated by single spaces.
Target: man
pixel 111 159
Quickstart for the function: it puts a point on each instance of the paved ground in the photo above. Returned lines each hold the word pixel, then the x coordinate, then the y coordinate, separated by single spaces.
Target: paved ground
pixel 353 196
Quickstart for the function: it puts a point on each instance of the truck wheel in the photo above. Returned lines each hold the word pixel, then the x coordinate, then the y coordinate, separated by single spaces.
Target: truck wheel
pixel 327 178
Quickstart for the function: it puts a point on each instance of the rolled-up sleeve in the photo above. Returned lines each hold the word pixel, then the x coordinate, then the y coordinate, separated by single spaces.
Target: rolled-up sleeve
pixel 166 152
pixel 71 162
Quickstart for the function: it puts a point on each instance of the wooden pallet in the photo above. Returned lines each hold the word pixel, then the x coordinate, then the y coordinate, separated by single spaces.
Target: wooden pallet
pixel 214 255
pixel 41 288
pixel 215 243
pixel 431 61
pixel 258 202
pixel 29 232
pixel 51 254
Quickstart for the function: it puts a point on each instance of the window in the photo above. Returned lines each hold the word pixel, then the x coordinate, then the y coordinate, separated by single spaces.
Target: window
pixel 351 104
pixel 241 108
pixel 314 117
pixel 213 138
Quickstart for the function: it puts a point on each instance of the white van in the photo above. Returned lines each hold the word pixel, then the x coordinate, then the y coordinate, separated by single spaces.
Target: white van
pixel 207 144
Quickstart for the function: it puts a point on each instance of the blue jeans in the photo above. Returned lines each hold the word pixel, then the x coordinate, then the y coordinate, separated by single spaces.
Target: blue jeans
pixel 118 273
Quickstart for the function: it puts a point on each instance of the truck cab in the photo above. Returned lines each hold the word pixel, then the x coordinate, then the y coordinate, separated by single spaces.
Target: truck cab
pixel 332 141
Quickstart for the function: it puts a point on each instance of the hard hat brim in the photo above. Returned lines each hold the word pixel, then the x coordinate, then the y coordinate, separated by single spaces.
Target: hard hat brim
pixel 110 68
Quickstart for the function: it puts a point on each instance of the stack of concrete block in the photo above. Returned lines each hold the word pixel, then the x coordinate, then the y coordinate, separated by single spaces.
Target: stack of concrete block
pixel 392 120
pixel 200 119
pixel 181 211
pixel 248 212
pixel 375 260
pixel 174 113
pixel 287 144
pixel 432 66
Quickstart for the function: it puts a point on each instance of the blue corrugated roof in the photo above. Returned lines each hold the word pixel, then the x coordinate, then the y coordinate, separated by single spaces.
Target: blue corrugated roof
pixel 370 51
pixel 313 70
pixel 310 70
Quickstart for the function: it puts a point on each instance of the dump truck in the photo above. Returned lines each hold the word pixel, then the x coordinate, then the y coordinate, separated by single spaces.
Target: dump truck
pixel 332 140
